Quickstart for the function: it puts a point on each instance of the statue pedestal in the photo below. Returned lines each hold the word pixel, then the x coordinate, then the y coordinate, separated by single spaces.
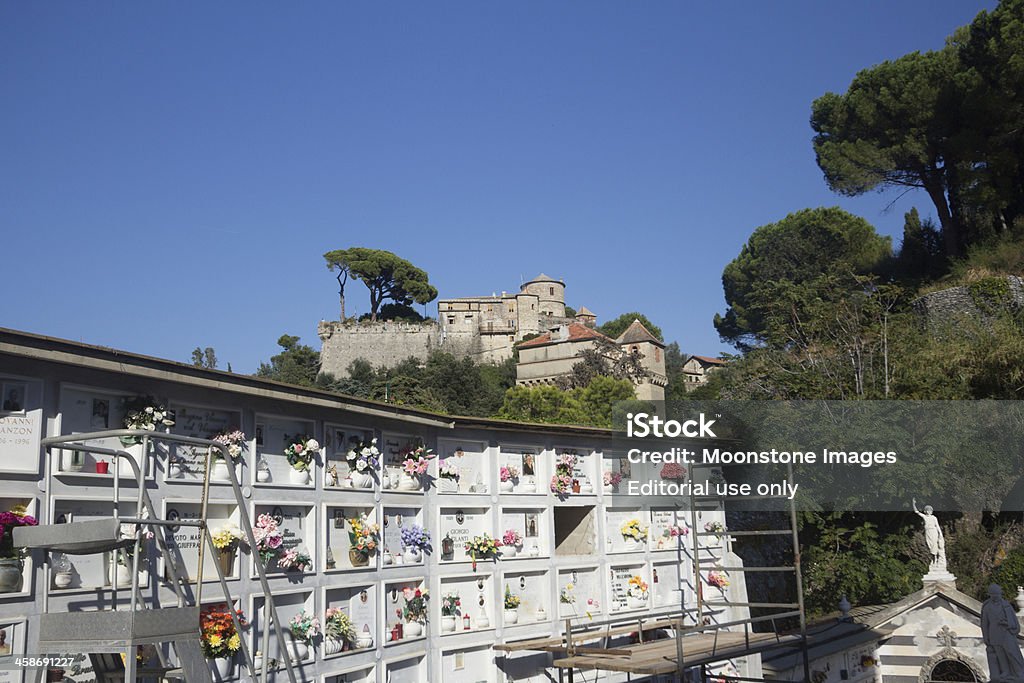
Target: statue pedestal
pixel 939 575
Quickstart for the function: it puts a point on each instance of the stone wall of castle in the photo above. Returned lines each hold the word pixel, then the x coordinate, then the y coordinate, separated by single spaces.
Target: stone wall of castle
pixel 948 305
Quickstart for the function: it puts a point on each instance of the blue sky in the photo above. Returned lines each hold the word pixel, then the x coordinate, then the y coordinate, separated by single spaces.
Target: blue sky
pixel 171 173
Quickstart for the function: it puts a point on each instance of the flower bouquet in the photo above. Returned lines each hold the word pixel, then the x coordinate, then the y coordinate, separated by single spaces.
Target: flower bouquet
pixel 268 538
pixel 511 602
pixel 415 462
pixel 450 605
pixel 304 628
pixel 567 596
pixel 363 538
pixel 226 540
pixel 715 527
pixel 512 542
pixel 415 541
pixel 219 638
pixel 234 440
pixel 415 610
pixel 671 534
pixel 143 412
pixel 338 630
pixel 294 560
pixel 611 481
pixel 300 453
pixel 718 579
pixel 10 557
pixel 634 533
pixel 508 475
pixel 636 592
pixel 673 471
pixel 561 481
pixel 482 547
pixel 363 460
pixel 448 475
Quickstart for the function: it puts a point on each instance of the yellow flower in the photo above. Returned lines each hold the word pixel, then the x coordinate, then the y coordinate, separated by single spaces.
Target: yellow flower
pixel 215 640
pixel 234 642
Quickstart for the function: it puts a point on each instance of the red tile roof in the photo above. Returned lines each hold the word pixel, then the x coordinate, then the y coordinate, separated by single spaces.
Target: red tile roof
pixel 577 332
pixel 709 359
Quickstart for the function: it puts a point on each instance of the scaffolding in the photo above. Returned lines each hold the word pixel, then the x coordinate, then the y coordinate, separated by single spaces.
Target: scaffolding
pixel 692 648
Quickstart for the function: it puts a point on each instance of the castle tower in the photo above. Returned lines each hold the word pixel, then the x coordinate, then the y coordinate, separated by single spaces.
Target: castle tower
pixel 550 292
pixel 585 316
pixel 638 339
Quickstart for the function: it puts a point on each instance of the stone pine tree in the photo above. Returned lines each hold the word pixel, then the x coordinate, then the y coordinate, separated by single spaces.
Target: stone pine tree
pixel 387 276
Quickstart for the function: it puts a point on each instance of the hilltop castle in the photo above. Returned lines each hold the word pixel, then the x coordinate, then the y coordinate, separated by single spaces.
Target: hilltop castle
pixel 484 328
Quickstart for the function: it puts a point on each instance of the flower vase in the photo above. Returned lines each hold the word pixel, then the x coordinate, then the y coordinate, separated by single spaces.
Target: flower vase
pixel 357 558
pixel 298 477
pixel 222 667
pixel 482 620
pixel 448 624
pixel 509 550
pixel 533 551
pixel 61 579
pixel 407 482
pixel 298 649
pixel 542 614
pixel 220 472
pixel 361 480
pixel 332 646
pixel 364 640
pixel 635 603
pixel 608 489
pixel 226 561
pixel 413 629
pixel 120 575
pixel 511 616
pixel 446 485
pixel 138 453
pixel 412 555
pixel 10 575
pixel 262 475
pixel 386 558
pixel 632 545
pixel 506 486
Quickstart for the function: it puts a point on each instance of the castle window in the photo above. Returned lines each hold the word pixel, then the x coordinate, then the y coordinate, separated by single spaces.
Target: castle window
pixel 511 338
pixel 657 355
pixel 451 320
pixel 551 291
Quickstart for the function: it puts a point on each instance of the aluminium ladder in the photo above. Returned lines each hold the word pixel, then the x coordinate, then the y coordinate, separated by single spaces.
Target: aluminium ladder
pixel 104 634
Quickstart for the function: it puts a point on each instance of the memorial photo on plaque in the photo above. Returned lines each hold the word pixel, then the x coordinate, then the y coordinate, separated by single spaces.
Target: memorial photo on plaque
pixel 100 413
pixel 14 397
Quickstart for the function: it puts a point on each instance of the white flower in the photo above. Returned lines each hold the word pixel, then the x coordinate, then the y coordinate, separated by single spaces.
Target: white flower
pixel 351 455
pixel 313 445
pixel 157 415
pixel 367 451
pixel 149 426
pixel 361 465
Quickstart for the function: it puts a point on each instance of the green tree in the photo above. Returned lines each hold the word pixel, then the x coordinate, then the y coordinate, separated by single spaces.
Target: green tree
pixel 387 276
pixel 921 257
pixel 613 328
pixel 674 361
pixel 896 126
pixel 541 404
pixel 599 397
pixel 205 358
pixel 786 265
pixel 297 363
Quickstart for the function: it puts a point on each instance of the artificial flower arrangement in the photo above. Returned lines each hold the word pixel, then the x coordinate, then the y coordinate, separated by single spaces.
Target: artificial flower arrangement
pixel 234 440
pixel 612 478
pixel 673 471
pixel 449 470
pixel 718 579
pixel 675 531
pixel 363 536
pixel 482 547
pixel 415 536
pixel 16 516
pixel 561 481
pixel 450 604
pixel 567 596
pixel 415 605
pixel 508 473
pixel 714 527
pixel 511 599
pixel 294 560
pixel 301 451
pixel 227 537
pixel 363 457
pixel 511 537
pixel 338 625
pixel 143 412
pixel 416 460
pixel 218 636
pixel 268 538
pixel 637 588
pixel 633 529
pixel 304 627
